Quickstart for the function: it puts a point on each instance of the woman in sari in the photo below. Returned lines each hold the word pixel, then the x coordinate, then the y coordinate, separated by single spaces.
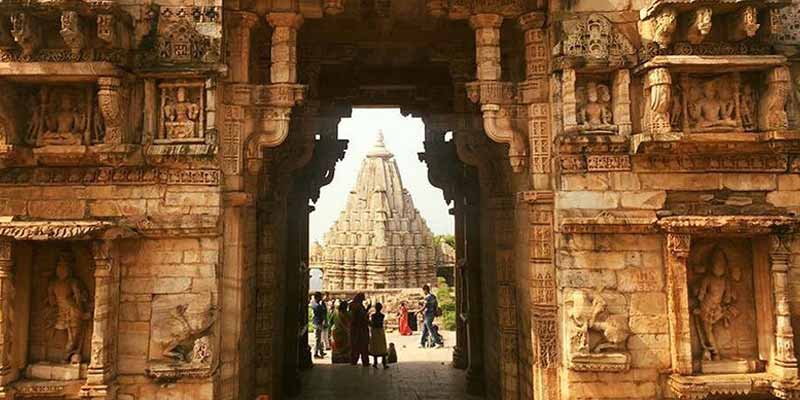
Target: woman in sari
pixel 402 320
pixel 359 331
pixel 341 335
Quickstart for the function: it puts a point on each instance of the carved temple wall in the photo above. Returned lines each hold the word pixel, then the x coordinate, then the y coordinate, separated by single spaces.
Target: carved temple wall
pixel 624 177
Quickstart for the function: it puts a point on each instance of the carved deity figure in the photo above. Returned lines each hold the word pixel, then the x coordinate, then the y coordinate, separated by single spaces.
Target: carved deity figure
pixel 67 295
pixel 748 105
pixel 590 314
pixel 64 122
pixel 709 111
pixel 714 303
pixel 23 31
pixel 71 32
pixel 701 25
pixel 182 335
pixel 595 109
pixel 181 116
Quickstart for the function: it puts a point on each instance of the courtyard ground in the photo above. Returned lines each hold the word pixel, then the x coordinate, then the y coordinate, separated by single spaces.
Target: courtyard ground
pixel 424 374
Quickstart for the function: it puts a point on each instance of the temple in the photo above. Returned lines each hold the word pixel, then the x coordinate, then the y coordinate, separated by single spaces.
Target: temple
pixel 380 241
pixel 623 175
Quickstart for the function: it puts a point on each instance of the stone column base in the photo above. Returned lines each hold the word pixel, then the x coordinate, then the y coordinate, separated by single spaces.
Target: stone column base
pixel 475 384
pixel 98 392
pixel 459 358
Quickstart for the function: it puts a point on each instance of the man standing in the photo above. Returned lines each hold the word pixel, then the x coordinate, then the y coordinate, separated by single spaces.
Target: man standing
pixel 320 321
pixel 429 309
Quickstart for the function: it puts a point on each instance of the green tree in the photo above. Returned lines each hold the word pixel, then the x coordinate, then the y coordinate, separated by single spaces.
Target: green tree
pixel 449 239
pixel 447 301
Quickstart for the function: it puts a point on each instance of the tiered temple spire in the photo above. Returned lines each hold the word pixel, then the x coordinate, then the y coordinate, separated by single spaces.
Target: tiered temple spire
pixel 380 240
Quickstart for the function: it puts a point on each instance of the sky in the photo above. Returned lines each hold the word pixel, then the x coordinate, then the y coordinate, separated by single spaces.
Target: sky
pixel 403 137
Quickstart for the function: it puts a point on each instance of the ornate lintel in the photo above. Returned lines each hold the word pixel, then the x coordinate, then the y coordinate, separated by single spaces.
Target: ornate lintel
pixel 63 230
pixel 536 197
pixel 178 226
pixel 728 224
pixel 608 224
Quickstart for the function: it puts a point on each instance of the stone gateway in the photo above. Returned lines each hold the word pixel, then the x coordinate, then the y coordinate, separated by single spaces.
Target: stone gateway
pixel 624 179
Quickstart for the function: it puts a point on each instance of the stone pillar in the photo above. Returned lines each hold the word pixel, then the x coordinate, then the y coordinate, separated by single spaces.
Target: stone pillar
pixel 501 210
pixel 102 371
pixel 678 246
pixel 472 247
pixel 111 104
pixel 658 101
pixel 784 362
pixel 536 96
pixel 487 45
pixel 460 359
pixel 8 373
pixel 284 46
pixel 621 101
pixel 239 26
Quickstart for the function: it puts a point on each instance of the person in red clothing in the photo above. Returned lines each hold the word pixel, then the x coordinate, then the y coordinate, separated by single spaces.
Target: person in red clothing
pixel 402 318
pixel 359 330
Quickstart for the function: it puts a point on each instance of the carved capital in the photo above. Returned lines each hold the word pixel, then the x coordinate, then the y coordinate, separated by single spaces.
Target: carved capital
pixel 659 28
pixel 679 245
pixel 285 20
pixel 110 102
pixel 532 20
pixel 486 21
pixel 498 126
pixel 271 131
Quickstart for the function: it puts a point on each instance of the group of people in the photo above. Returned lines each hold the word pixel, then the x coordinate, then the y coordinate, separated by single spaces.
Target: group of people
pixel 357 332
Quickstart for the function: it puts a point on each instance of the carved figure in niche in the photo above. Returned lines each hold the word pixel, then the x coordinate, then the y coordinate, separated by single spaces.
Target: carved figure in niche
pixel 181 116
pixel 70 300
pixel 677 108
pixel 595 112
pixel 59 118
pixel 590 314
pixel 701 25
pixel 708 111
pixel 22 28
pixel 748 105
pixel 714 303
pixel 182 336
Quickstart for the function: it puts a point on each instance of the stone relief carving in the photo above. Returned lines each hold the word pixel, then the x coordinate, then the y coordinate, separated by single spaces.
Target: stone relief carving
pixel 660 29
pixel 711 104
pixel 594 108
pixel 183 35
pixel 745 24
pixel 596 42
pixel 772 113
pixel 72 34
pixel 700 25
pixel 25 33
pixel 63 115
pixel 658 101
pixel 598 338
pixel 181 330
pixel 68 298
pixel 182 111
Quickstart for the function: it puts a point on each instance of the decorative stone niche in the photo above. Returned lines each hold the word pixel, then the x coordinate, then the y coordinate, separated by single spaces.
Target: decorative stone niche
pixel 594 59
pixel 64 115
pixel 730 330
pixel 182 337
pixel 182 112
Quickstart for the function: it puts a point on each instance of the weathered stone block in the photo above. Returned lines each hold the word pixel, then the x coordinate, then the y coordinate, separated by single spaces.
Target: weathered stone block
pixel 784 198
pixel 644 200
pixel 749 182
pixel 681 181
pixel 57 209
pixel 653 324
pixel 587 200
pixel 592 182
pixel 648 303
pixel 789 182
pixel 583 278
pixel 640 280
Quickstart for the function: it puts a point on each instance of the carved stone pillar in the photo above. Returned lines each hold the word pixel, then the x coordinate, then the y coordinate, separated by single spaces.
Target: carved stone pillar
pixel 239 26
pixel 472 234
pixel 487 45
pixel 102 367
pixel 8 373
pixel 772 113
pixel 658 101
pixel 535 95
pixel 460 358
pixel 109 97
pixel 621 101
pixel 677 255
pixel 284 46
pixel 784 362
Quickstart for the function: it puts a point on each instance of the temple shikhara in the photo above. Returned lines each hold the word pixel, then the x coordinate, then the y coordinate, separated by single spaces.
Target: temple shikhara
pixel 624 177
pixel 380 240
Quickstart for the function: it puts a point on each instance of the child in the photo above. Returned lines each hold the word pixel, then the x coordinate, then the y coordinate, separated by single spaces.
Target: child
pixel 377 338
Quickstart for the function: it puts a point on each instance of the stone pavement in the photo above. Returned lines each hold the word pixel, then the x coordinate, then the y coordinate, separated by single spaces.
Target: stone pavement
pixel 420 374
